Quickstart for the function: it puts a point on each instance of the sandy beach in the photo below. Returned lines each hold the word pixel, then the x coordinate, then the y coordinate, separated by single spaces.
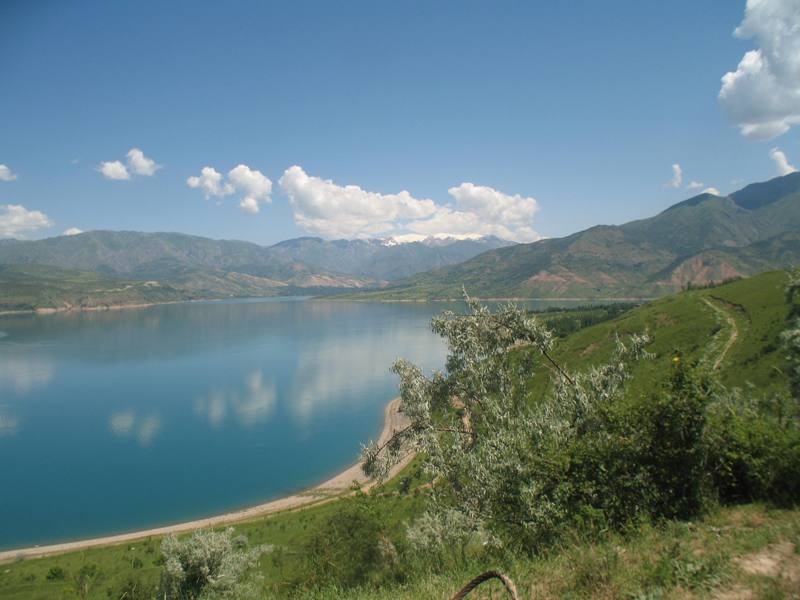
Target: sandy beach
pixel 324 492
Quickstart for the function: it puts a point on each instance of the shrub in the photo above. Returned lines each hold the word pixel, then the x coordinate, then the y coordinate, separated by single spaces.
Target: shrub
pixel 755 448
pixel 206 564
pixel 351 548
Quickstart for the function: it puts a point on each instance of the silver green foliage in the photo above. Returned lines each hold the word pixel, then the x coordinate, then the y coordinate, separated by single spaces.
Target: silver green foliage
pixel 478 430
pixel 208 564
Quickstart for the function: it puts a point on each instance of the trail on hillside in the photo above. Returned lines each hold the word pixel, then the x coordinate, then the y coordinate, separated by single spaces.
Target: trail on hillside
pixel 725 314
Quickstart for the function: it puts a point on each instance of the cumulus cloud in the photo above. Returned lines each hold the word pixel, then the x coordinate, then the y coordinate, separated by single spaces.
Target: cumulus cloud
pixel 137 164
pixel 210 182
pixel 16 221
pixel 72 231
pixel 326 208
pixel 762 96
pixel 348 211
pixel 712 190
pixel 677 176
pixel 114 169
pixel 254 186
pixel 6 174
pixel 781 162
pixel 481 210
pixel 694 185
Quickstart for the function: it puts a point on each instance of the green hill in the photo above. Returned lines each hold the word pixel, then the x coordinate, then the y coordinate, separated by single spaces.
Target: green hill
pixel 700 324
pixel 703 239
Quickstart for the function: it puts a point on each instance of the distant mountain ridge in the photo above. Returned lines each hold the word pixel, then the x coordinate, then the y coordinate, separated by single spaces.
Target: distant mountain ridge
pixel 177 266
pixel 383 260
pixel 705 238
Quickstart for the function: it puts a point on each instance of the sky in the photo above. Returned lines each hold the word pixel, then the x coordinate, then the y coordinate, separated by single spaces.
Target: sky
pixel 265 121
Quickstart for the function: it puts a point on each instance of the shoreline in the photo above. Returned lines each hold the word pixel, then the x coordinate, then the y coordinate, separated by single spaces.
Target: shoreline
pixel 330 489
pixel 134 305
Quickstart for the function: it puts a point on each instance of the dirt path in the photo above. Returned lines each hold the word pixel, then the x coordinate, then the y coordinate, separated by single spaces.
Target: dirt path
pixel 331 489
pixel 726 314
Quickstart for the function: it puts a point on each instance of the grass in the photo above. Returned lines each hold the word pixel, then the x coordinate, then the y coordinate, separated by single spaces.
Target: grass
pixel 708 558
pixel 686 323
pixel 744 549
pixel 723 553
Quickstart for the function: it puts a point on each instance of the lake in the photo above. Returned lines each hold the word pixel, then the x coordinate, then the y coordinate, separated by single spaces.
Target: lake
pixel 119 420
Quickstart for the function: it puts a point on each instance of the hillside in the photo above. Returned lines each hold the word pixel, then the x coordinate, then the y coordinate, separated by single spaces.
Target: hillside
pixel 35 287
pixel 700 324
pixel 703 239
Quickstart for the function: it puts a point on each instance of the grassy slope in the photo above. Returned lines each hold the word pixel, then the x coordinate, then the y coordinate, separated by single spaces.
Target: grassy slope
pixel 687 323
pixel 678 558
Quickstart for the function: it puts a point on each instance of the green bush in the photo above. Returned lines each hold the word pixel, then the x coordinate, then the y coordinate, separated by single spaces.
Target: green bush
pixel 350 549
pixel 755 449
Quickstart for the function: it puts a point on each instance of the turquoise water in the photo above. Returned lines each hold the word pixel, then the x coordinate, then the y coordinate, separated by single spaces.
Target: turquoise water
pixel 119 420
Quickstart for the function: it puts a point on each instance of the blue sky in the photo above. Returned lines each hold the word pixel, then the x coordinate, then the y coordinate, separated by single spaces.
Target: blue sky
pixel 560 115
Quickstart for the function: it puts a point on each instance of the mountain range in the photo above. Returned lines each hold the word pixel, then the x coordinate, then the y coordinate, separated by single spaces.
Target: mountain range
pixel 100 268
pixel 704 239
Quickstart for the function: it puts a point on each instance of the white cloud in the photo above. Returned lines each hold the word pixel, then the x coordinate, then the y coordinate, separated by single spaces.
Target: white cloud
pixel 712 190
pixel 72 231
pixel 677 176
pixel 210 181
pixel 763 95
pixel 694 185
pixel 254 186
pixel 139 164
pixel 16 220
pixel 6 174
pixel 323 207
pixel 482 210
pixel 348 211
pixel 114 169
pixel 783 164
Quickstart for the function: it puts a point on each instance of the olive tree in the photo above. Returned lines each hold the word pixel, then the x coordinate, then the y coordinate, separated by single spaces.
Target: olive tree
pixel 491 449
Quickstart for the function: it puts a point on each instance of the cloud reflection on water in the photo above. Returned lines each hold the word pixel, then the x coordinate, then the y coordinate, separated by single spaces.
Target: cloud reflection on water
pixel 23 374
pixel 8 423
pixel 251 404
pixel 338 370
pixel 127 423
